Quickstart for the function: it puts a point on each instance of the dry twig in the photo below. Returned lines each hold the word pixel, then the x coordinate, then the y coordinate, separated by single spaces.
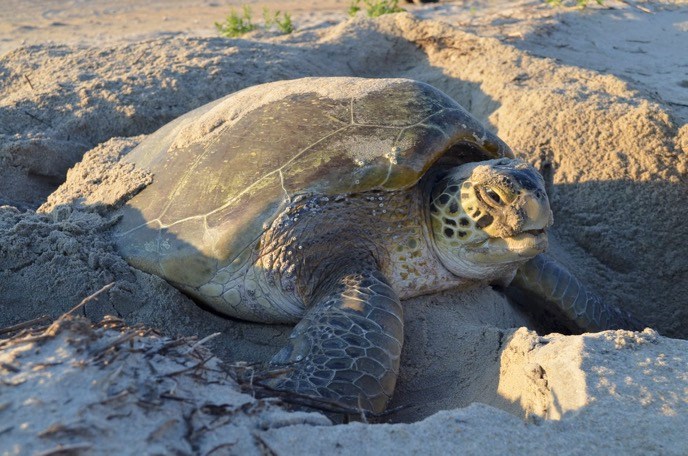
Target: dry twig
pixel 89 298
pixel 24 325
pixel 28 81
pixel 635 5
pixel 202 341
pixel 66 449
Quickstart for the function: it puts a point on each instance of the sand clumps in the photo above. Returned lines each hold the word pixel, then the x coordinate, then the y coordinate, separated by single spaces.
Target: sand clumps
pixel 630 411
pixel 619 204
pixel 80 387
pixel 105 389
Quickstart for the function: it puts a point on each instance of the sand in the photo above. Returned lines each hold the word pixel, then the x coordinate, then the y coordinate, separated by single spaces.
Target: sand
pixel 598 91
pixel 74 388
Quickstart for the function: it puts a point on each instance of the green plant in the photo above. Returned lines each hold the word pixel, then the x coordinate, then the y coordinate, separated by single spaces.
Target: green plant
pixel 285 25
pixel 269 18
pixel 236 25
pixel 354 8
pixel 282 22
pixel 579 3
pixel 375 8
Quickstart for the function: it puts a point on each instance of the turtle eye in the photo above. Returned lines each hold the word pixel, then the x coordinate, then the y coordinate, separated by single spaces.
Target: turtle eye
pixel 494 196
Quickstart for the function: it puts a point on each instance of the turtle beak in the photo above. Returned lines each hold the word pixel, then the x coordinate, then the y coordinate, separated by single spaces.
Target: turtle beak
pixel 521 246
pixel 536 210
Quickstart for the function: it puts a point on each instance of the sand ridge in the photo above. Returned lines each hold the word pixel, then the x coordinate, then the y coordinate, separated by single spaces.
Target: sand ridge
pixel 619 151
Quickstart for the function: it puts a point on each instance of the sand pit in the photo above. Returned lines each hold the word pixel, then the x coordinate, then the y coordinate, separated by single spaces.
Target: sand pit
pixel 617 136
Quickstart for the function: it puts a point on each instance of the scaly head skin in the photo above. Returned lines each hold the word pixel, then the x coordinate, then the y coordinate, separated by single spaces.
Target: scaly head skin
pixel 489 217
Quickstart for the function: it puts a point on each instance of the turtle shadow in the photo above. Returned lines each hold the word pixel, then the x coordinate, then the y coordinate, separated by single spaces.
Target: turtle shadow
pixel 627 240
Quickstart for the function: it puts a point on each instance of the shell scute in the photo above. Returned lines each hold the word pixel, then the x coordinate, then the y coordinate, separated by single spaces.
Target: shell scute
pixel 409 105
pixel 223 172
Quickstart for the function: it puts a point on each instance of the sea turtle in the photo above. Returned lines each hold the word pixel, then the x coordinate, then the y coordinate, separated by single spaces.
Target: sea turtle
pixel 326 201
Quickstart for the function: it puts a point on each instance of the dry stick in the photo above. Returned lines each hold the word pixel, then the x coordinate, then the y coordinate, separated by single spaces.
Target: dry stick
pixel 23 340
pixel 139 57
pixel 633 4
pixel 127 336
pixel 167 345
pixel 202 341
pixel 263 446
pixel 9 367
pixel 29 81
pixel 43 335
pixel 26 324
pixel 36 118
pixel 190 368
pixel 119 395
pixel 65 449
pixel 89 298
pixel 221 447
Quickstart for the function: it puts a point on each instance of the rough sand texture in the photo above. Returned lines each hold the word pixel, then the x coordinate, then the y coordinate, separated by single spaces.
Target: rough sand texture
pixel 617 135
pixel 618 374
pixel 119 390
pixel 29 22
pixel 79 388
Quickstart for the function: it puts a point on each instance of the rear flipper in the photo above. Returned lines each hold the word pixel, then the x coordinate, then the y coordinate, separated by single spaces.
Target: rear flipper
pixel 544 284
pixel 347 346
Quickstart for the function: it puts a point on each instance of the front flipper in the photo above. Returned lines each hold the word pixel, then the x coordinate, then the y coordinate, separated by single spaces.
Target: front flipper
pixel 347 346
pixel 544 282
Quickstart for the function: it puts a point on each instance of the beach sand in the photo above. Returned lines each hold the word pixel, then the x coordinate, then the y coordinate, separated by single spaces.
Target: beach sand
pixel 602 92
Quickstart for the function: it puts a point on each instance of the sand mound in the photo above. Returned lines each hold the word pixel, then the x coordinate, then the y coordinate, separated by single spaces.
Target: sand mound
pixel 619 203
pixel 77 388
pixel 100 384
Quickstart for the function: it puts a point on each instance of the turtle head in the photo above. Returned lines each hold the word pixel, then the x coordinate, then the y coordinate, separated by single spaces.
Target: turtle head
pixel 488 217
